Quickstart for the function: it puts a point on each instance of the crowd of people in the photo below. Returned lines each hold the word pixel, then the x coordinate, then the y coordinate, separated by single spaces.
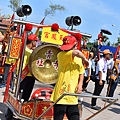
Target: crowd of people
pixel 73 77
pixel 101 71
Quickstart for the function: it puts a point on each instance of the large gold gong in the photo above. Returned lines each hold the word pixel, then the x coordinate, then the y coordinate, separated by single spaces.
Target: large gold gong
pixel 43 63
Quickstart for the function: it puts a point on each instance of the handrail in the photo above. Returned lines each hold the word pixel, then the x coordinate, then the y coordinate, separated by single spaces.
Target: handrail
pixel 41 25
pixel 27 22
pixel 81 95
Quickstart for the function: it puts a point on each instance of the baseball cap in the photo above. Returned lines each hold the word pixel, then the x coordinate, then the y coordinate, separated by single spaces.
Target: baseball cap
pixel 68 42
pixel 32 37
pixel 107 51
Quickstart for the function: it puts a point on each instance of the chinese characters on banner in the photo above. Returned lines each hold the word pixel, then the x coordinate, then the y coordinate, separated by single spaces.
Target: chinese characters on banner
pixel 52 36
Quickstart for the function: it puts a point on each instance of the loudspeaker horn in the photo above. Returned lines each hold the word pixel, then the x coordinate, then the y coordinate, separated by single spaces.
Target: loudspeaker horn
pixel 24 10
pixel 73 20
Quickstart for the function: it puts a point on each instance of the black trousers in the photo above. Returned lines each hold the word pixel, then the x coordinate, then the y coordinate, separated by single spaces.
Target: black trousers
pixel 112 87
pixel 27 85
pixel 97 91
pixel 84 82
pixel 71 111
pixel 6 71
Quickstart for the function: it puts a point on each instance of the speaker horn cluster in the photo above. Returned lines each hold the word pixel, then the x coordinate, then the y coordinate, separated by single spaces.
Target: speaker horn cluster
pixel 73 20
pixel 24 10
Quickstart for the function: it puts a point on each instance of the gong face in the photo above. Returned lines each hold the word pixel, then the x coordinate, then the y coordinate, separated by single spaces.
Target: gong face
pixel 43 63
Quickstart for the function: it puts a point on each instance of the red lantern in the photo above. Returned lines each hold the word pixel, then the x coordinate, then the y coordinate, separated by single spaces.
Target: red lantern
pixel 55 27
pixel 28 27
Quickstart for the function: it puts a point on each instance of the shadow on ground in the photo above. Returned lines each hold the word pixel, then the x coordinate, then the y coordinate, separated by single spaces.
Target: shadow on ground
pixel 3 108
pixel 115 110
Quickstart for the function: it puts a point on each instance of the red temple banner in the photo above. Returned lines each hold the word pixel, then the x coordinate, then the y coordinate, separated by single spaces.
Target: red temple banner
pixel 15 48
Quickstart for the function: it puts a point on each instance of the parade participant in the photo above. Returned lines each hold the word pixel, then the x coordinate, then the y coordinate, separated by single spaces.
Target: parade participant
pixel 109 71
pixel 70 79
pixel 7 65
pixel 93 68
pixel 26 85
pixel 100 38
pixel 1 54
pixel 87 73
pixel 28 82
pixel 113 83
pixel 101 72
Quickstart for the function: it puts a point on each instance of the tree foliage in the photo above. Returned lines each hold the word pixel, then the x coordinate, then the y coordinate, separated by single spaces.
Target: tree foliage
pixel 14 4
pixel 6 16
pixel 108 43
pixel 53 8
pixel 118 40
pixel 85 38
pixel 117 43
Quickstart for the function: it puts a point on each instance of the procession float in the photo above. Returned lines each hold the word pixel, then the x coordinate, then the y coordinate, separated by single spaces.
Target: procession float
pixel 42 65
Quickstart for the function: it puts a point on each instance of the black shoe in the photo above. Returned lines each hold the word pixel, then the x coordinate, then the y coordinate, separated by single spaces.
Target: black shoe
pixel 96 107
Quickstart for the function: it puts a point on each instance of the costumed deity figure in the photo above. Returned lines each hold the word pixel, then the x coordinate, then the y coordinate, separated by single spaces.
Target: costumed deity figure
pixel 100 38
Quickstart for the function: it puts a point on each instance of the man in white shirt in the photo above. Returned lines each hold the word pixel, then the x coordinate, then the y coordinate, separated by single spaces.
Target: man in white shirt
pixel 87 73
pixel 101 72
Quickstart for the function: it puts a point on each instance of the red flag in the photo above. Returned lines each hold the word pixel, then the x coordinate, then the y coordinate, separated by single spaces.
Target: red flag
pixel 42 22
pixel 13 16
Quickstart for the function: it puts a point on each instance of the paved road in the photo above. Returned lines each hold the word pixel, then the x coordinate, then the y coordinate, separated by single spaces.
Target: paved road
pixel 112 113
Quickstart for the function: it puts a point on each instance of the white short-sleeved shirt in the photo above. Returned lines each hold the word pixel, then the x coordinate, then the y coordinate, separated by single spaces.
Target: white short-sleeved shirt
pixel 110 64
pixel 89 67
pixel 93 64
pixel 101 65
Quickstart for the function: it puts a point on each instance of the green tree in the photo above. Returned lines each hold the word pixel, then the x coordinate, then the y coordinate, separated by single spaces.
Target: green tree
pixel 85 38
pixel 108 43
pixel 39 35
pixel 14 4
pixel 90 45
pixel 51 11
pixel 6 16
pixel 105 40
pixel 53 8
pixel 117 43
pixel 118 40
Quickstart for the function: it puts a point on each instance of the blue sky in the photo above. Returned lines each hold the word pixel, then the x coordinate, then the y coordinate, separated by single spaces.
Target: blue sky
pixel 95 14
